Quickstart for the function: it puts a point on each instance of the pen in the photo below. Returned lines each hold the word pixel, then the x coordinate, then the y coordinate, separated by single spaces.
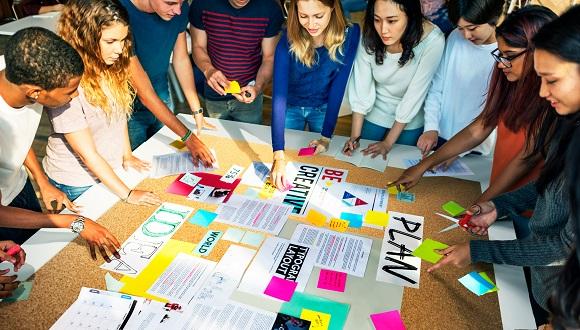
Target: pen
pixel 347 147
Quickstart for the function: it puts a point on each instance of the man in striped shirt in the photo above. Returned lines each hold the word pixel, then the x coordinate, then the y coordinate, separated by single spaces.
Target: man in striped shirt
pixel 235 40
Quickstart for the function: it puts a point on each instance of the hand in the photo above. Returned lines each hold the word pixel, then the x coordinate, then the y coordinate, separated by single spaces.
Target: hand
pixel 320 144
pixel 136 163
pixel 201 123
pixel 409 178
pixel 140 197
pixel 99 237
pixel 445 165
pixel 457 255
pixel 278 174
pixel 50 193
pixel 351 145
pixel 484 215
pixel 17 260
pixel 247 95
pixel 217 81
pixel 199 152
pixel 377 148
pixel 427 141
pixel 7 284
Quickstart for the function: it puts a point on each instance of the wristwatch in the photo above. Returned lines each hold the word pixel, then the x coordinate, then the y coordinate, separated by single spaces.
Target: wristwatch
pixel 198 111
pixel 78 224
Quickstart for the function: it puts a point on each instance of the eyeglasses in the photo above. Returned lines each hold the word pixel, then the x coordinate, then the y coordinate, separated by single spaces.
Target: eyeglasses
pixel 505 60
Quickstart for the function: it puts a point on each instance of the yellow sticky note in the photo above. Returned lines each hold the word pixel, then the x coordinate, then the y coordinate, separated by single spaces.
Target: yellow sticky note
pixel 234 88
pixel 268 191
pixel 392 190
pixel 377 218
pixel 338 224
pixel 318 320
pixel 139 285
pixel 316 218
pixel 177 144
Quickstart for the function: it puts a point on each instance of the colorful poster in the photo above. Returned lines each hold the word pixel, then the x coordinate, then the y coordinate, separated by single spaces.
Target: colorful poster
pixel 210 189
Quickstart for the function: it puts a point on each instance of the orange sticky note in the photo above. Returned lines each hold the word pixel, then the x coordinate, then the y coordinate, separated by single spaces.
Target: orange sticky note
pixel 316 218
pixel 338 224
pixel 234 88
pixel 377 218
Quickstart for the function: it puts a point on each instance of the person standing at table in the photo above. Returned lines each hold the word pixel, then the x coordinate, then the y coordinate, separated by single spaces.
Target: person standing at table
pixel 235 40
pixel 311 68
pixel 158 28
pixel 90 137
pixel 41 70
pixel 457 94
pixel 394 66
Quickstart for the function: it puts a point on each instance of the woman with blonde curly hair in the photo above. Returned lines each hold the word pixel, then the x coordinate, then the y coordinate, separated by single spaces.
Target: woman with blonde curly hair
pixel 90 136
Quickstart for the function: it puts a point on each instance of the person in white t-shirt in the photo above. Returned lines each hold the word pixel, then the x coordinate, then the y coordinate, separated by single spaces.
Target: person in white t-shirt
pixel 458 90
pixel 41 70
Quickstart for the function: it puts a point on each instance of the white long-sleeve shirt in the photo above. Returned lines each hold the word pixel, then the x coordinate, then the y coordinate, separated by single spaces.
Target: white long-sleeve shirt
pixel 458 91
pixel 388 92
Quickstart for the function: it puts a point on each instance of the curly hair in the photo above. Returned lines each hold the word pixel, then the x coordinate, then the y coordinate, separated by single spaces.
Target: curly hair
pixel 38 57
pixel 105 86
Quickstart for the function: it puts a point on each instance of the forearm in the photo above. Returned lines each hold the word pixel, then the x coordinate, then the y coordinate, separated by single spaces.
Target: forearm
pixel 264 74
pixel 108 177
pixel 184 73
pixel 32 164
pixel 357 123
pixel 48 9
pixel 202 60
pixel 394 133
pixel 127 152
pixel 13 217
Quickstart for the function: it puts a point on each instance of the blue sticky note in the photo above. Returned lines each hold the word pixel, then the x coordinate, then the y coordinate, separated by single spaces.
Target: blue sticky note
pixel 202 218
pixel 252 239
pixel 475 283
pixel 356 220
pixel 21 293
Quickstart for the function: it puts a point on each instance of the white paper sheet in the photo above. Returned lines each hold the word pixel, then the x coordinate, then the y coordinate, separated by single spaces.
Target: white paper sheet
pixel 458 167
pixel 266 216
pixel 234 315
pixel 282 258
pixel 182 279
pixel 336 251
pixel 155 315
pixel 177 163
pixel 403 234
pixel 232 174
pixel 140 248
pixel 360 160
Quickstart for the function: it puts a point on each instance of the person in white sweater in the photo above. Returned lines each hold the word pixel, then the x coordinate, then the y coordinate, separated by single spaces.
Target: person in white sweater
pixel 457 94
pixel 393 69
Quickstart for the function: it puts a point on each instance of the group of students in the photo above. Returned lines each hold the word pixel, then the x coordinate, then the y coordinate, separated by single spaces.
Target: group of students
pixel 510 88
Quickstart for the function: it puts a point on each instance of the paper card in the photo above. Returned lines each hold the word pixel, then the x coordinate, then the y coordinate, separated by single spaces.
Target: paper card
pixel 332 280
pixel 233 88
pixel 232 174
pixel 318 320
pixel 406 197
pixel 190 179
pixel 287 322
pixel 453 208
pixel 234 235
pixel 488 279
pixel 268 190
pixel 200 193
pixel 377 218
pixel 338 224
pixel 281 288
pixel 308 151
pixel 112 283
pixel 300 301
pixel 355 220
pixel 203 218
pixel 207 243
pixel 177 144
pixel 426 250
pixel 476 284
pixel 316 218
pixel 252 239
pixel 21 293
pixel 393 190
pixel 390 320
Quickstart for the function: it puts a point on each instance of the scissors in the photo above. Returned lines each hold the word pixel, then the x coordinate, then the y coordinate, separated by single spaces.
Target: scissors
pixel 463 222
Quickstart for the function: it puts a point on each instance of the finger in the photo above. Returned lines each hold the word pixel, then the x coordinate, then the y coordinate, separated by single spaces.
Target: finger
pixel 208 125
pixel 195 158
pixel 104 253
pixel 112 249
pixel 70 205
pixel 6 257
pixel 11 286
pixel 92 251
pixel 4 271
pixel 5 294
pixel 60 204
pixel 239 97
pixel 446 251
pixel 444 261
pixel 21 260
pixel 385 157
pixel 7 279
pixel 48 204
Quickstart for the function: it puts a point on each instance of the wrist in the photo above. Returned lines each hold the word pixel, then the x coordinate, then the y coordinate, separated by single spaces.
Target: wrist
pixel 186 136
pixel 127 196
pixel 279 155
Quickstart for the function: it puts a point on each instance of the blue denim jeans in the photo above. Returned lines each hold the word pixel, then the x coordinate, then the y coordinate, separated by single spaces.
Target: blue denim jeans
pixel 143 124
pixel 233 109
pixel 375 132
pixel 26 199
pixel 72 192
pixel 298 117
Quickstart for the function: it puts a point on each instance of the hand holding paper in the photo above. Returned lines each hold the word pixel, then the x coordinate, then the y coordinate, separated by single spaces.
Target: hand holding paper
pixel 457 255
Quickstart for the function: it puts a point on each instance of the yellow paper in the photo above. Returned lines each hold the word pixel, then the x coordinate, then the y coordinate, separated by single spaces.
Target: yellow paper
pixel 393 190
pixel 377 218
pixel 177 144
pixel 234 88
pixel 268 191
pixel 316 218
pixel 338 224
pixel 318 320
pixel 139 285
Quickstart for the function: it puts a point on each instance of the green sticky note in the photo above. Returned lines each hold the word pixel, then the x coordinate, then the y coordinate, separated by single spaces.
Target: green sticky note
pixel 300 301
pixel 21 293
pixel 486 277
pixel 453 208
pixel 426 250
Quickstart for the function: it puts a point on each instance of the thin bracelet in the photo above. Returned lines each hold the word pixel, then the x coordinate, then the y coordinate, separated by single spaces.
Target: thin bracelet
pixel 127 198
pixel 478 212
pixel 186 136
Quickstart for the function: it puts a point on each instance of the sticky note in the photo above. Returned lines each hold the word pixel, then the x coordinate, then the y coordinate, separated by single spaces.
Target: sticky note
pixel 316 218
pixel 318 320
pixel 202 218
pixel 280 288
pixel 177 144
pixel 393 190
pixel 233 88
pixel 426 250
pixel 406 197
pixel 332 280
pixel 453 208
pixel 487 279
pixel 190 179
pixel 268 190
pixel 476 284
pixel 112 283
pixel 252 239
pixel 390 320
pixel 252 193
pixel 377 218
pixel 338 224
pixel 22 292
pixel 234 235
pixel 301 301
pixel 355 220
pixel 308 151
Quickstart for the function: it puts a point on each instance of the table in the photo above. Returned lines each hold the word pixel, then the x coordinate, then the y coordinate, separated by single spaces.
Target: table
pixel 47 21
pixel 514 305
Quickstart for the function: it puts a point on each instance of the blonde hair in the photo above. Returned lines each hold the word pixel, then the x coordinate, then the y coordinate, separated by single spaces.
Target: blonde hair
pixel 105 86
pixel 302 44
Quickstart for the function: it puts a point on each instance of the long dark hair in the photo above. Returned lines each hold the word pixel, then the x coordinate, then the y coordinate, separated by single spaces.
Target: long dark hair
pixel 475 11
pixel 518 103
pixel 411 37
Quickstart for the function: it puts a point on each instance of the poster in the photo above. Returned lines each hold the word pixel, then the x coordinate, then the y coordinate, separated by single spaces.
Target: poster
pixel 209 189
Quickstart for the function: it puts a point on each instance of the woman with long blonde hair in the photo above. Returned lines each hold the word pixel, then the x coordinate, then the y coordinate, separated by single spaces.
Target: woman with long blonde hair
pixel 311 68
pixel 90 137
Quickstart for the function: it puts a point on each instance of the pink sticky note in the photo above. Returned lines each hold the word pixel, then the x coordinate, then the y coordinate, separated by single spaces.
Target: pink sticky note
pixel 280 288
pixel 308 151
pixel 390 320
pixel 331 280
